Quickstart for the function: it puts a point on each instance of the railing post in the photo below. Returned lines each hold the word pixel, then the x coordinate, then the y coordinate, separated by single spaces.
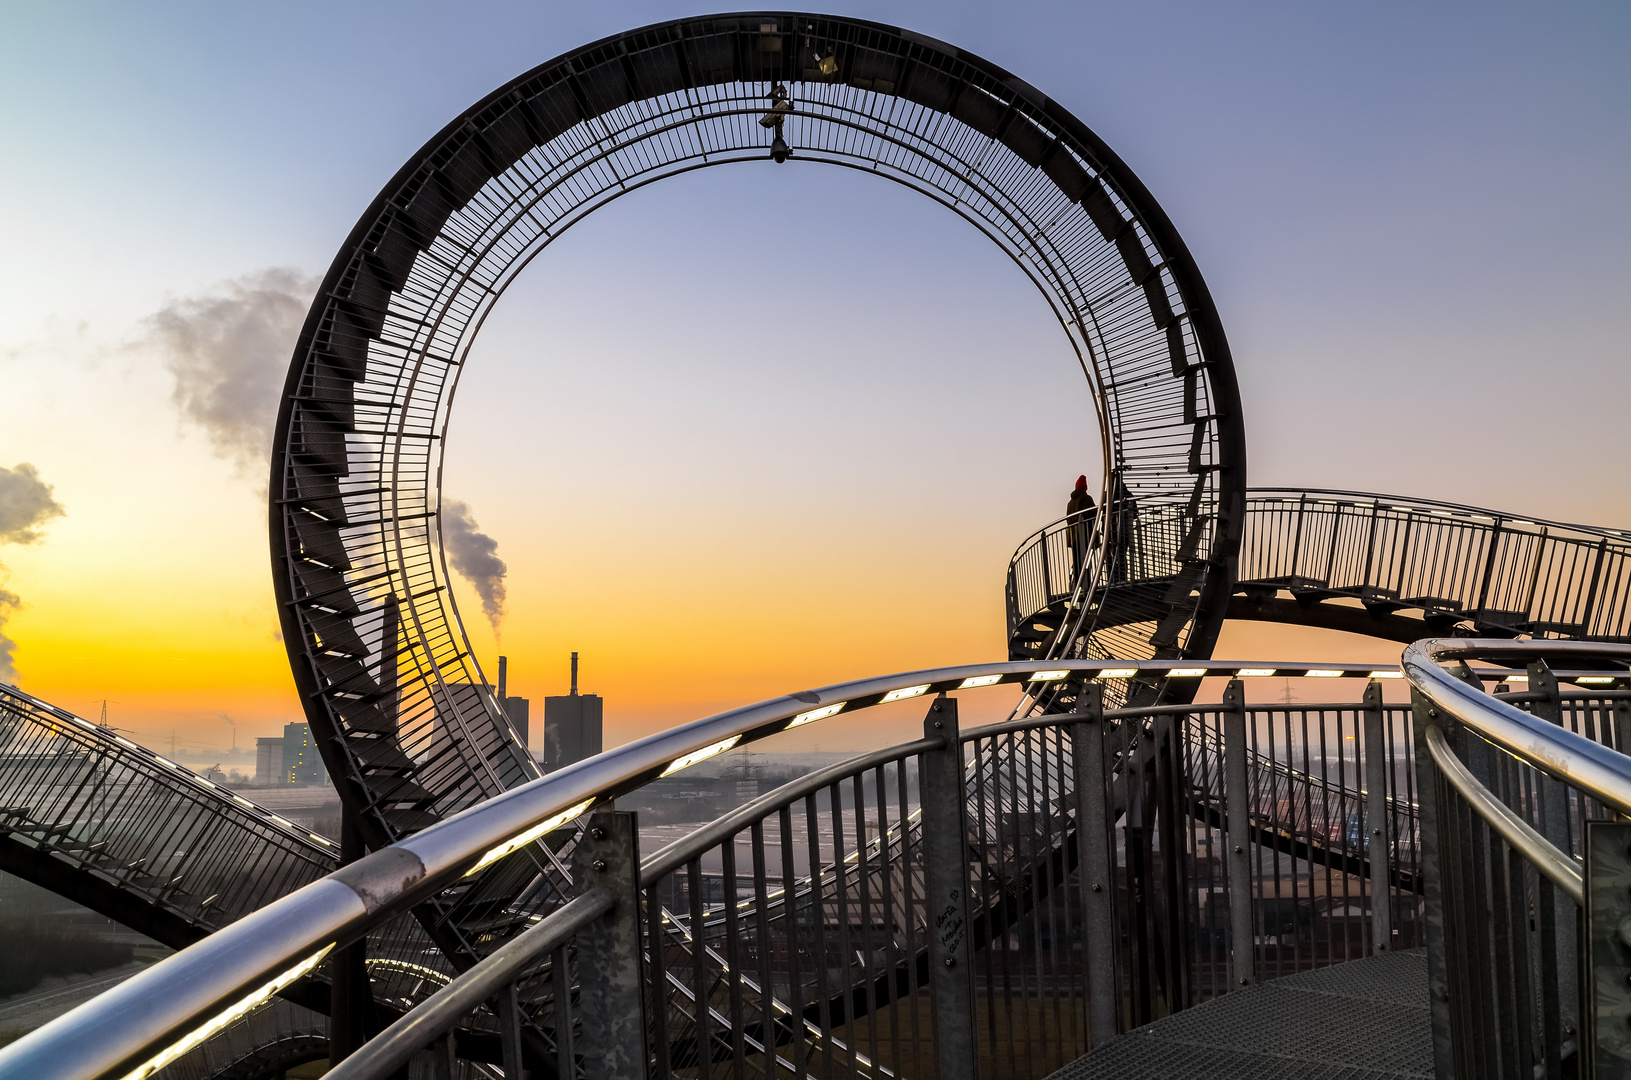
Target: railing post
pixel 1554 825
pixel 1424 713
pixel 351 1019
pixel 1608 953
pixel 945 873
pixel 1097 875
pixel 611 995
pixel 443 1058
pixel 1237 807
pixel 1379 850
pixel 509 1032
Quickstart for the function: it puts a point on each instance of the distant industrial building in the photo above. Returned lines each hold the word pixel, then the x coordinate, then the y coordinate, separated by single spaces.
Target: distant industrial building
pixel 291 761
pixel 301 761
pixel 268 761
pixel 572 726
pixel 518 709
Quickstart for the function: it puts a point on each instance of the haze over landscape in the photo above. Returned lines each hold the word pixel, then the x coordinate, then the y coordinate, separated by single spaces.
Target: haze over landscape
pixel 759 429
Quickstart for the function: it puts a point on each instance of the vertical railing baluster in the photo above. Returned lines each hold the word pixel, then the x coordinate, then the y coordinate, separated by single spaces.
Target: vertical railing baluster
pixel 799 1050
pixel 508 1008
pixel 1243 950
pixel 565 1052
pixel 894 957
pixel 657 941
pixel 818 921
pixel 701 981
pixel 769 1029
pixel 840 891
pixel 1477 928
pixel 909 910
pixel 732 949
pixel 945 848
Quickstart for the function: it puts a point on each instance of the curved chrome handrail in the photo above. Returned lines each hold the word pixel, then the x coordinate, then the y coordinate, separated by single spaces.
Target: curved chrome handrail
pixel 1598 770
pixel 222 974
pixel 1563 871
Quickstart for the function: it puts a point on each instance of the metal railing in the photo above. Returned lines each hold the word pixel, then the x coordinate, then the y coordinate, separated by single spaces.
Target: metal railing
pixel 1497 571
pixel 802 930
pixel 954 906
pixel 124 830
pixel 1525 804
pixel 221 975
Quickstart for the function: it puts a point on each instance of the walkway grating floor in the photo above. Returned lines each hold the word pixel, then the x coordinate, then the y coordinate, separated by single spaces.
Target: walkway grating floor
pixel 1363 1020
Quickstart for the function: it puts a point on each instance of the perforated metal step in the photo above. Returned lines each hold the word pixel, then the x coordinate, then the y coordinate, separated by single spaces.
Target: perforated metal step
pixel 1363 1020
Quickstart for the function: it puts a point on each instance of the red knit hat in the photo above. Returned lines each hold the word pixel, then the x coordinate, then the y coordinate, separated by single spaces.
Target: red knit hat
pixel 1081 482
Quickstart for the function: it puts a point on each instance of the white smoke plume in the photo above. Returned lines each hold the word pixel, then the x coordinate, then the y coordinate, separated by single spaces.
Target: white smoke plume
pixel 229 351
pixel 474 555
pixel 26 504
pixel 9 602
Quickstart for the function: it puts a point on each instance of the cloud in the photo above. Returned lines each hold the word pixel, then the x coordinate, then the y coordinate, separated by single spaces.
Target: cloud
pixel 474 555
pixel 9 602
pixel 26 504
pixel 229 351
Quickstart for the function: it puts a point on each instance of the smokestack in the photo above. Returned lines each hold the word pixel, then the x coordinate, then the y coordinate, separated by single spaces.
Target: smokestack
pixel 574 674
pixel 503 677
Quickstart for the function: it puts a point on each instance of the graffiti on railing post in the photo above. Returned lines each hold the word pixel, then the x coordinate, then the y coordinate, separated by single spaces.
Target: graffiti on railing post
pixel 610 993
pixel 1243 951
pixel 1376 847
pixel 945 872
pixel 1093 855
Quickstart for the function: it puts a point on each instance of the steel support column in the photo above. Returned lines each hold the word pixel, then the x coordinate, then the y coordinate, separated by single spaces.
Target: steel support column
pixel 1554 825
pixel 1243 951
pixel 351 1020
pixel 1097 874
pixel 945 861
pixel 1424 713
pixel 1379 849
pixel 611 995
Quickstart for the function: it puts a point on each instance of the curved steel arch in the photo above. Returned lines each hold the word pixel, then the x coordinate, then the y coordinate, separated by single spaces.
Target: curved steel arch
pixel 402 714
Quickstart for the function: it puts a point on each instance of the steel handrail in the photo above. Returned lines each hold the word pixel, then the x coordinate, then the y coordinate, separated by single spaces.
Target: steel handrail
pixel 667 859
pixel 472 989
pixel 1597 770
pixel 1562 869
pixel 221 974
pixel 1383 501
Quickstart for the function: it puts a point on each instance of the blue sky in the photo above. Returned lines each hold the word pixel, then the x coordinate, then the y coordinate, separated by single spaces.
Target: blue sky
pixel 1381 196
pixel 1413 219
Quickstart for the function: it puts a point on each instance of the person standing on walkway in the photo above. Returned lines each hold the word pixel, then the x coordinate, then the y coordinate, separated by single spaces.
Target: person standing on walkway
pixel 1079 512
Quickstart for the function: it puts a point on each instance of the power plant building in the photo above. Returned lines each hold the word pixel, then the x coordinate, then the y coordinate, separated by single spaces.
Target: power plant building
pixel 290 761
pixel 572 726
pixel 517 709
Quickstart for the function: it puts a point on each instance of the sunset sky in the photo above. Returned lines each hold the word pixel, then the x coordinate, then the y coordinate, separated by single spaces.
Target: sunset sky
pixel 722 472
